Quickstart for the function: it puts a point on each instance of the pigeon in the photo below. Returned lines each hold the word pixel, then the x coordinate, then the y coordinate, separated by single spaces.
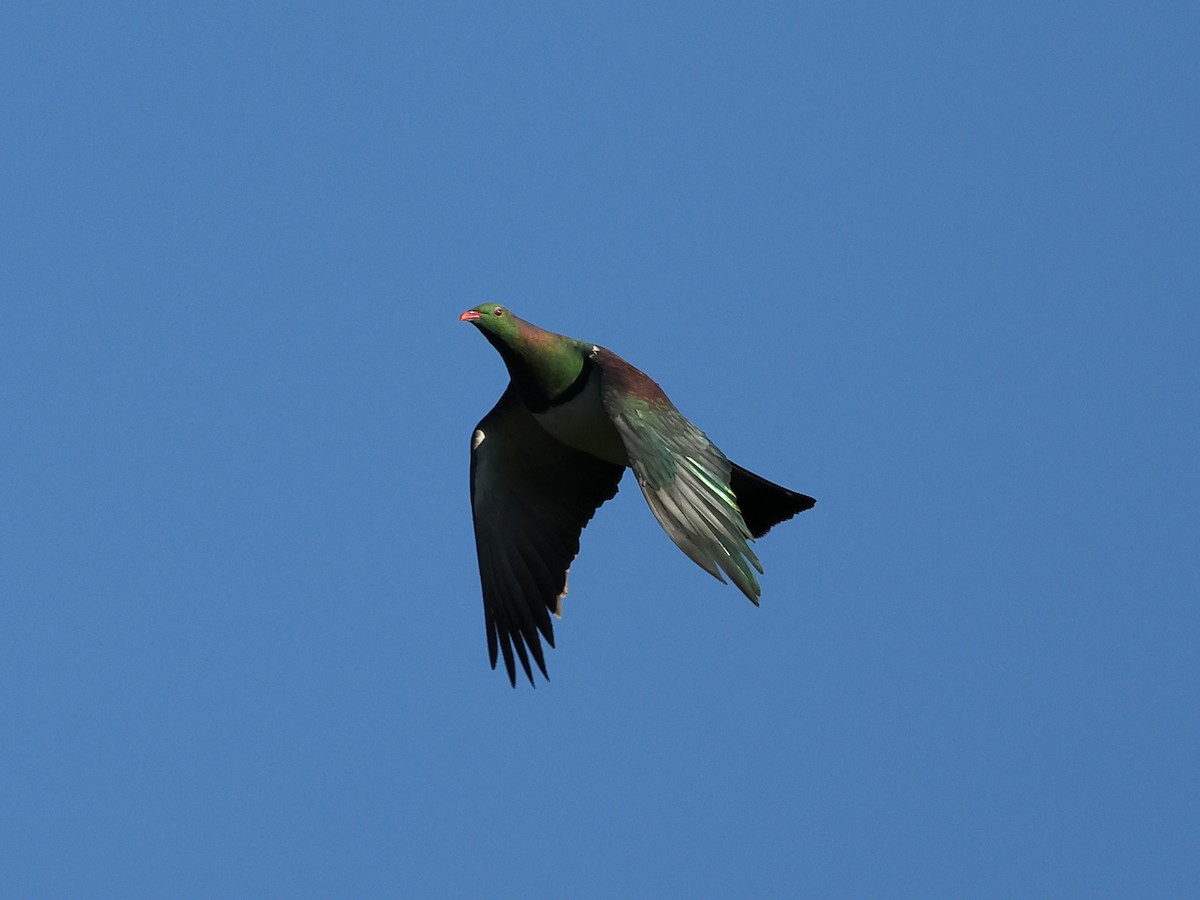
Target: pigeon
pixel 552 450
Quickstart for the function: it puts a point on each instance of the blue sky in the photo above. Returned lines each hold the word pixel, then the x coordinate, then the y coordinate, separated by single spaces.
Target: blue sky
pixel 934 265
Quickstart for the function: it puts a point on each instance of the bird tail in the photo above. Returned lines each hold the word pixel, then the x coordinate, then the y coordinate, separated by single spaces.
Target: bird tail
pixel 763 503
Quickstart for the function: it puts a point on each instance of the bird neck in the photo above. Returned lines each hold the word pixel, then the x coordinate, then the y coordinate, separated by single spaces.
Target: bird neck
pixel 543 366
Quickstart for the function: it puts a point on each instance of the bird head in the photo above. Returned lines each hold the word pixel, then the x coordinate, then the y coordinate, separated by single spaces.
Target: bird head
pixel 494 320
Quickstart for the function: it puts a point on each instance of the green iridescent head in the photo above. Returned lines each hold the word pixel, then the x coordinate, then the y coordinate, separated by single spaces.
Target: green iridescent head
pixel 494 320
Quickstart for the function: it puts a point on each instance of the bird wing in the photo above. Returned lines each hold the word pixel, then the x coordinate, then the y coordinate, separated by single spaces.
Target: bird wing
pixel 531 496
pixel 682 474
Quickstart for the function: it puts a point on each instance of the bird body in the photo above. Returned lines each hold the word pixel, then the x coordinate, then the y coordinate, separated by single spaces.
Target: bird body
pixel 580 420
pixel 553 449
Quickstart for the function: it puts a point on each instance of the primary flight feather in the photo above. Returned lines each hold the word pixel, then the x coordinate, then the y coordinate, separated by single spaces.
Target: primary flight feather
pixel 553 449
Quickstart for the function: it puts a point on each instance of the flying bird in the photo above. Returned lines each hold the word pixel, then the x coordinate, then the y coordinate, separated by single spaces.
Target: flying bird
pixel 552 450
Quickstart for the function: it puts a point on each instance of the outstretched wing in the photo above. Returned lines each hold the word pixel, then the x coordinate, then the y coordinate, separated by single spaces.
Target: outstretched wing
pixel 682 474
pixel 530 497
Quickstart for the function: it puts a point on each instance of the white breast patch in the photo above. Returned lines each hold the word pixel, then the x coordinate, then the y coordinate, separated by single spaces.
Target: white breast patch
pixel 583 423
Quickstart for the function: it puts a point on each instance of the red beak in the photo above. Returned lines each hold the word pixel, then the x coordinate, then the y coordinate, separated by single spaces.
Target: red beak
pixel 469 316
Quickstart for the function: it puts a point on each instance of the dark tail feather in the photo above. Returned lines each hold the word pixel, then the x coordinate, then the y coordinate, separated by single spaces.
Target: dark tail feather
pixel 763 503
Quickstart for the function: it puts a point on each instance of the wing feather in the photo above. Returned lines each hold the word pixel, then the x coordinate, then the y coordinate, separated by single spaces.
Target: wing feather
pixel 683 476
pixel 531 496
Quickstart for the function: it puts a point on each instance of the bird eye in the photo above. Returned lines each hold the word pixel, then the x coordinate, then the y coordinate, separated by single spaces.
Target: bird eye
pixel 499 311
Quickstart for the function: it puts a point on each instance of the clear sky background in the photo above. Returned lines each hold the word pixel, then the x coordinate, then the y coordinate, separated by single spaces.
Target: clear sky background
pixel 934 264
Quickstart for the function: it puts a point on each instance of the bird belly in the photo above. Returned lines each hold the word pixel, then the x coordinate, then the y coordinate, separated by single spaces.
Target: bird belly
pixel 583 423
